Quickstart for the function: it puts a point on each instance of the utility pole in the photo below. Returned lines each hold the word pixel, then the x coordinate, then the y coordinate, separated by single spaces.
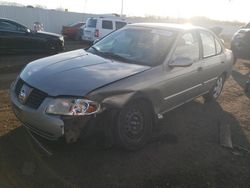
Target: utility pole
pixel 122 9
pixel 85 6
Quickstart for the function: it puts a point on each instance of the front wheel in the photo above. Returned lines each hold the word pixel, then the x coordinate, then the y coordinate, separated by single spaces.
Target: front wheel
pixel 134 126
pixel 215 92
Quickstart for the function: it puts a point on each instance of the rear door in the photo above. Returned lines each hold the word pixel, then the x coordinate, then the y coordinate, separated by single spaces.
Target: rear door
pixel 89 30
pixel 213 59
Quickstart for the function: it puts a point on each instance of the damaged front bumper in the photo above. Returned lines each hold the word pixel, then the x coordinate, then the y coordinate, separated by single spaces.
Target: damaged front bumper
pixel 50 127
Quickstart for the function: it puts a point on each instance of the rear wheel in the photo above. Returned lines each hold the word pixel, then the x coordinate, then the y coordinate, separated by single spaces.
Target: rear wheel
pixel 134 125
pixel 52 48
pixel 215 92
pixel 77 36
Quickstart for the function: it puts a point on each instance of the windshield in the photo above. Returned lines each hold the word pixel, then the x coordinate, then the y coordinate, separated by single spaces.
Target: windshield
pixel 137 45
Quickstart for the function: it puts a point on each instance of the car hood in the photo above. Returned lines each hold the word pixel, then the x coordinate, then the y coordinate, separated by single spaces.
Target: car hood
pixel 76 73
pixel 43 33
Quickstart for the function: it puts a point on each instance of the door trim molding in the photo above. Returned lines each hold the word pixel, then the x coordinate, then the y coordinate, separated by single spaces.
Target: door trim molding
pixel 184 91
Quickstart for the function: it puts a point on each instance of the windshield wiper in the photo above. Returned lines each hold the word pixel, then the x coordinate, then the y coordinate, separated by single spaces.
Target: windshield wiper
pixel 95 49
pixel 115 56
pixel 121 58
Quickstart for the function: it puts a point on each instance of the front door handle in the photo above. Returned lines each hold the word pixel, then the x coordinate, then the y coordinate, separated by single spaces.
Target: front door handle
pixel 199 69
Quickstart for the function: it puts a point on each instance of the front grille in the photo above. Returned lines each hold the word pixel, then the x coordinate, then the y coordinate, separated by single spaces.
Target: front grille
pixel 35 98
pixel 19 86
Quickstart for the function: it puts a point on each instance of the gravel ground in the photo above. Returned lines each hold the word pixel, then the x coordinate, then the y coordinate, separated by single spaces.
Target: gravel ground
pixel 184 151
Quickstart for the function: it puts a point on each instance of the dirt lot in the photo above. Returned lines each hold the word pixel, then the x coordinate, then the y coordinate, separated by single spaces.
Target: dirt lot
pixel 184 151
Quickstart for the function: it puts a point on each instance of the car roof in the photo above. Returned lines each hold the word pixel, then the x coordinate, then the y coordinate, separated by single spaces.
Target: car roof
pixel 171 26
pixel 9 20
pixel 6 19
pixel 109 18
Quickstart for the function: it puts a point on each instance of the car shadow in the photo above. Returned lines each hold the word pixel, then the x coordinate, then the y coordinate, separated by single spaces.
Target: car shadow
pixel 184 152
pixel 241 79
pixel 246 65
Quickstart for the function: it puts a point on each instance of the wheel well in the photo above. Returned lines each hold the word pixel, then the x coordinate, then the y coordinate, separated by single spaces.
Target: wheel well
pixel 148 104
pixel 225 75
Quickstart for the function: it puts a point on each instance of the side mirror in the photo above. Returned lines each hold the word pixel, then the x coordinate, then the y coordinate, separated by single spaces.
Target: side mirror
pixel 181 62
pixel 95 41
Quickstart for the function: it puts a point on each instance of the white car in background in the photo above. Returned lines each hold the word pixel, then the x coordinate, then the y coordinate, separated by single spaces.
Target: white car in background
pixel 98 27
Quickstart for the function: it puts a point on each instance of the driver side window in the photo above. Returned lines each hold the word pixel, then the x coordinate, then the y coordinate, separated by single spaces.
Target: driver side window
pixel 187 47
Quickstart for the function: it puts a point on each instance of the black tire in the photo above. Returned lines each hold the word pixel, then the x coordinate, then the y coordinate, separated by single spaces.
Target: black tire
pixel 235 58
pixel 52 48
pixel 133 126
pixel 216 90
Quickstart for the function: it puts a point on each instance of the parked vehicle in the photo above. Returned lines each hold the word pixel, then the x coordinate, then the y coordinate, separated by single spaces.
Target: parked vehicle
pixel 73 31
pixel 240 44
pixel 15 37
pixel 97 28
pixel 130 78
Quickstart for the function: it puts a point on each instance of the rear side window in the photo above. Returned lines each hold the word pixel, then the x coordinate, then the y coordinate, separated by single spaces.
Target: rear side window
pixel 91 23
pixel 119 25
pixel 7 26
pixel 106 24
pixel 208 44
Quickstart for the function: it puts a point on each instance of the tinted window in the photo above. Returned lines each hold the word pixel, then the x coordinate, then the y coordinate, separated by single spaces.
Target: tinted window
pixel 91 23
pixel 218 47
pixel 107 24
pixel 208 44
pixel 7 26
pixel 187 46
pixel 119 25
pixel 76 25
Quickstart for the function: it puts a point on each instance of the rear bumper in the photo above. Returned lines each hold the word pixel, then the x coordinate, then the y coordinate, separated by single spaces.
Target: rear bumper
pixel 88 39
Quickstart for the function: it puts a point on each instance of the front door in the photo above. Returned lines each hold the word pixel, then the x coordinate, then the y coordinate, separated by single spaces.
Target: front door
pixel 183 83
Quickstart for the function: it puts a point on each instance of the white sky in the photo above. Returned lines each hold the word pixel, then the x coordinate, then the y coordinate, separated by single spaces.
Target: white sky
pixel 215 9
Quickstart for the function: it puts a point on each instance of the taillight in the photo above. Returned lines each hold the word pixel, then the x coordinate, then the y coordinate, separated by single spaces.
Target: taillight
pixel 97 33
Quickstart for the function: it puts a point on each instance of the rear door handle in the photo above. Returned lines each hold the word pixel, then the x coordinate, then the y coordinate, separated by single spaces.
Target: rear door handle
pixel 222 62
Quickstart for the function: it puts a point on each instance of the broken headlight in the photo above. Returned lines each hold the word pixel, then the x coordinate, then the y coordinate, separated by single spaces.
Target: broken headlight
pixel 75 107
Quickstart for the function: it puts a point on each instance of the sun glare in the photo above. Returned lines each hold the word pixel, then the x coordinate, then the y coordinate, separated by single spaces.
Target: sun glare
pixel 215 9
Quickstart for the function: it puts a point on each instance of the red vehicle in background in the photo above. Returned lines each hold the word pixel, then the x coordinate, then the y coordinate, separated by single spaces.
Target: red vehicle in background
pixel 73 31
